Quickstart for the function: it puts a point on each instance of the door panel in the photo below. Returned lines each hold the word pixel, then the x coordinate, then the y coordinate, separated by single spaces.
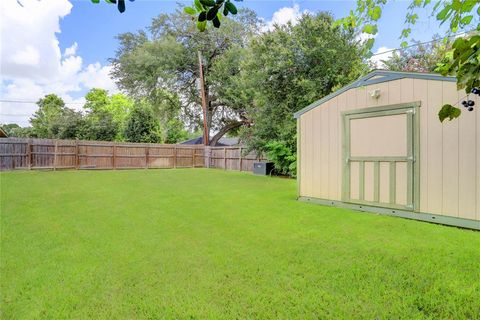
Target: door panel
pixel 354 180
pixel 373 136
pixel 401 185
pixel 369 181
pixel 379 157
pixel 384 193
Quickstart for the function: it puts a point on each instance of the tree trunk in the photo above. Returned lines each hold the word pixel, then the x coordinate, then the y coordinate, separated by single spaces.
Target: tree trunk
pixel 223 131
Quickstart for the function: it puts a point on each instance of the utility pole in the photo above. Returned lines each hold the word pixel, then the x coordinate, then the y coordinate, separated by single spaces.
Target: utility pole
pixel 206 139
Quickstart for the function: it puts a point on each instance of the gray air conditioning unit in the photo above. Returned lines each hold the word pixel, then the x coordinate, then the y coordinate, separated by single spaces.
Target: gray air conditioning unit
pixel 263 168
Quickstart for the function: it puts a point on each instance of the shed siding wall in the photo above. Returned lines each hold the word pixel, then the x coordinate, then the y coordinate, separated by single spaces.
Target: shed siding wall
pixel 449 152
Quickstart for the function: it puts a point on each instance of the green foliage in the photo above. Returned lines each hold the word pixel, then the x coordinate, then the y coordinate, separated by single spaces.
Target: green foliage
pixel 175 132
pixel 418 58
pixel 14 130
pixel 284 160
pixel 120 4
pixel 204 11
pixel 106 115
pixel 100 125
pixel 50 108
pixel 161 66
pixel 450 112
pixel 463 61
pixel 69 125
pixel 288 69
pixel 210 244
pixel 118 105
pixel 10 128
pixel 103 120
pixel 141 125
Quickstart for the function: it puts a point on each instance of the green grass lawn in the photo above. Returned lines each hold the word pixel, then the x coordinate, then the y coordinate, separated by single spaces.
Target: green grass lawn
pixel 209 244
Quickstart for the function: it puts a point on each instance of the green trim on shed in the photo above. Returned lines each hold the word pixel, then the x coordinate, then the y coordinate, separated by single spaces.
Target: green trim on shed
pixel 299 145
pixel 427 217
pixel 411 159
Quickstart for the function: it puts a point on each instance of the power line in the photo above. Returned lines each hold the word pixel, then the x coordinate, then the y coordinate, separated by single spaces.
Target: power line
pixel 35 102
pixel 421 43
pixel 14 115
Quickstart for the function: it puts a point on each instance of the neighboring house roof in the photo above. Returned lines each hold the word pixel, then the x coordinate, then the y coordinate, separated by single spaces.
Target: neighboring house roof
pixel 3 134
pixel 223 142
pixel 376 76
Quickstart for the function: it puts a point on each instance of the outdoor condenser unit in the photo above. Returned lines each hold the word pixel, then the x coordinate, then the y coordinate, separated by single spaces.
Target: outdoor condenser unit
pixel 263 168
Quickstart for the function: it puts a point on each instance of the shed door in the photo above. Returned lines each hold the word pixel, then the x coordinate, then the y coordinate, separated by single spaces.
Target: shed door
pixel 379 157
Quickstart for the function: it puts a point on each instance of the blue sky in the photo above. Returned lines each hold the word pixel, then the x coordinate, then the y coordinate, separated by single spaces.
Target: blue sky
pixel 63 46
pixel 94 27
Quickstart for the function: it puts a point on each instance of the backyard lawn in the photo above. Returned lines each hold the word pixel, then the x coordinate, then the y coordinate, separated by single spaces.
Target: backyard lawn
pixel 210 244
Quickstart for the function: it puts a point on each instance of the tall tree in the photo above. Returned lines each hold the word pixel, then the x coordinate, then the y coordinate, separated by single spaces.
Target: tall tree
pixel 100 126
pixel 50 108
pixel 106 115
pixel 141 125
pixel 118 105
pixel 164 59
pixel 175 132
pixel 289 68
pixel 69 125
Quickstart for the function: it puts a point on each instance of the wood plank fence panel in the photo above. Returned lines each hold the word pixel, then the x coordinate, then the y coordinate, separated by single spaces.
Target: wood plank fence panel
pixel 233 158
pixel 21 153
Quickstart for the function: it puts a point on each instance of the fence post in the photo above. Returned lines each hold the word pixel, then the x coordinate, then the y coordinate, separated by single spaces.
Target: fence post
pixel 241 162
pixel 114 156
pixel 206 156
pixel 12 155
pixel 29 154
pixel 193 157
pixel 225 158
pixel 146 157
pixel 55 156
pixel 77 157
pixel 174 157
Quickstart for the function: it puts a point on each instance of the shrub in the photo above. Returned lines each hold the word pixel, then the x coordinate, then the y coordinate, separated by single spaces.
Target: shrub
pixel 284 159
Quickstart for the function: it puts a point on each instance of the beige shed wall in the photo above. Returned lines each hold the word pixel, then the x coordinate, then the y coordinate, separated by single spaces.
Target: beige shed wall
pixel 449 152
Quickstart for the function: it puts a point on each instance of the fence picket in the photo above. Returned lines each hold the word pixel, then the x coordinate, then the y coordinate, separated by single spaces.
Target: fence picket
pixel 20 153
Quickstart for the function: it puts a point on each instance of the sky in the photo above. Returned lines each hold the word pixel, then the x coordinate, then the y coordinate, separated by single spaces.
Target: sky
pixel 64 46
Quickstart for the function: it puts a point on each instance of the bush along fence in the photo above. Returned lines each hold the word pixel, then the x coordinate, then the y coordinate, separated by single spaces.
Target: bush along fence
pixel 31 154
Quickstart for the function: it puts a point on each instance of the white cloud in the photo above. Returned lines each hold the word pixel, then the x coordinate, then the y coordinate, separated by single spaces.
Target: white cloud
pixel 97 76
pixel 71 51
pixel 362 37
pixel 284 15
pixel 383 53
pixel 28 56
pixel 32 63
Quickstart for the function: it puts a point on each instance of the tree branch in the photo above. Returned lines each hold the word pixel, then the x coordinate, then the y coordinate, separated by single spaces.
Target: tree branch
pixel 229 126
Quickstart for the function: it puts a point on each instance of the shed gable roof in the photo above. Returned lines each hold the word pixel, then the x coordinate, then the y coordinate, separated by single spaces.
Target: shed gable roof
pixel 376 76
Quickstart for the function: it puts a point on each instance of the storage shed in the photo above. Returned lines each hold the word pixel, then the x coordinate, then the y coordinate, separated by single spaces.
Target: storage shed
pixel 377 145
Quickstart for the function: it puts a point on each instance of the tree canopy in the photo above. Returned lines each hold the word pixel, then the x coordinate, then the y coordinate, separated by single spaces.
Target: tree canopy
pixel 45 120
pixel 420 57
pixel 141 125
pixel 161 64
pixel 286 70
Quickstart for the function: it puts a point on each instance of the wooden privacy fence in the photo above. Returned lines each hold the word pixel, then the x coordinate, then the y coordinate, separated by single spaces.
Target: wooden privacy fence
pixel 231 158
pixel 16 153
